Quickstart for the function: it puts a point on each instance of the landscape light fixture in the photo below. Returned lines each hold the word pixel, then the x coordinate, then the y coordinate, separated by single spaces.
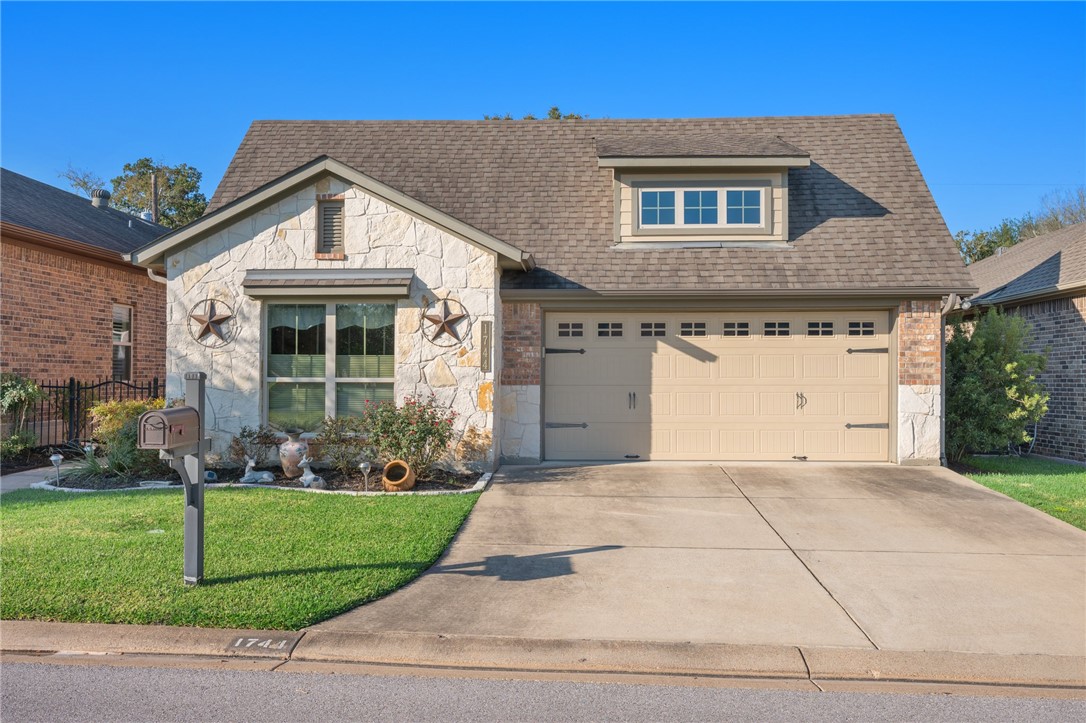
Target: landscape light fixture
pixel 56 459
pixel 366 467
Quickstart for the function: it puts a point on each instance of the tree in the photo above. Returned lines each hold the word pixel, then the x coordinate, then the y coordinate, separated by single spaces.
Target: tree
pixel 1058 210
pixel 81 180
pixel 179 198
pixel 553 114
pixel 992 391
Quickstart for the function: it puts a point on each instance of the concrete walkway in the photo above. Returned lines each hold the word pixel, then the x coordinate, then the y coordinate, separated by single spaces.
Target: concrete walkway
pixel 23 480
pixel 874 557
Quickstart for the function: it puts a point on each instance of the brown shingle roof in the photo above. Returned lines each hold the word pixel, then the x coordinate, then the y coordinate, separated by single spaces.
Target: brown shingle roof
pixel 1034 267
pixel 861 216
pixel 716 145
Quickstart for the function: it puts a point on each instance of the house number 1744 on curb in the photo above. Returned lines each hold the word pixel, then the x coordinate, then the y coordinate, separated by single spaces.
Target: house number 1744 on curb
pixel 258 643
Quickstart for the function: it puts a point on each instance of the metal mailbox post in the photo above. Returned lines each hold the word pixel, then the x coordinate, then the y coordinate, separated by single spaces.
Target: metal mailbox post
pixel 178 435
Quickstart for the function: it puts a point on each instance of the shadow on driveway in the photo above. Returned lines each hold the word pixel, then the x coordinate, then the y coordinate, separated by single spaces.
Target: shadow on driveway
pixel 522 567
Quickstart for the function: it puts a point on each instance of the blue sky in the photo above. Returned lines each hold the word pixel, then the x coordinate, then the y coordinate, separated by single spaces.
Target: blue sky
pixel 991 97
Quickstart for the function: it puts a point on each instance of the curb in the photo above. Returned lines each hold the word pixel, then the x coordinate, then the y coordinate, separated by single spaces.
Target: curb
pixel 489 653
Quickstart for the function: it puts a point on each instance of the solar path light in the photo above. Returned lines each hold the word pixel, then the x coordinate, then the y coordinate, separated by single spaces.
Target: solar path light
pixel 56 459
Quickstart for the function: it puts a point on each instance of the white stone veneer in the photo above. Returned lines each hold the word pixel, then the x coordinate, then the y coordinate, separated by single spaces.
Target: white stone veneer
pixel 283 236
pixel 918 412
pixel 521 434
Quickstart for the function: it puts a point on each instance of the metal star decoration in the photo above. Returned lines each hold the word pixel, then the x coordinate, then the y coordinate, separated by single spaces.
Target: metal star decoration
pixel 445 322
pixel 210 321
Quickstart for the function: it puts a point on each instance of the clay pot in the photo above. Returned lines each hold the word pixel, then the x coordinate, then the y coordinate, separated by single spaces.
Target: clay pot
pixel 292 451
pixel 399 477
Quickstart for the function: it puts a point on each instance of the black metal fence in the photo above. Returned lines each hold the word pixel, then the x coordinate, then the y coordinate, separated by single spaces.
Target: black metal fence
pixel 63 415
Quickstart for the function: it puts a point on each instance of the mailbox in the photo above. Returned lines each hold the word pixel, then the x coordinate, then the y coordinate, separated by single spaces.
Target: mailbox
pixel 169 428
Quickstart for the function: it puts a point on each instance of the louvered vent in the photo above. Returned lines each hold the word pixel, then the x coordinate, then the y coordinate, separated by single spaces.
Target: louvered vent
pixel 330 236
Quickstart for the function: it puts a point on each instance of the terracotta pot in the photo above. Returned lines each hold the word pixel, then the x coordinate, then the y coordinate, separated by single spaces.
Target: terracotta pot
pixel 399 477
pixel 292 451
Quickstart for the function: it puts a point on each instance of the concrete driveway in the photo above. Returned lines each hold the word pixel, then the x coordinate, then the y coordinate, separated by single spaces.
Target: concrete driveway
pixel 797 554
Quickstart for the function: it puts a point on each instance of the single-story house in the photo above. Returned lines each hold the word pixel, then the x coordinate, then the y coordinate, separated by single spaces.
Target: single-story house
pixel 1043 280
pixel 71 304
pixel 710 289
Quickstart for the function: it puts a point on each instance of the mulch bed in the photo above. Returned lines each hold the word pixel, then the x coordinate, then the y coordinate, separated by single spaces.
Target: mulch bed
pixel 34 458
pixel 439 480
pixel 962 468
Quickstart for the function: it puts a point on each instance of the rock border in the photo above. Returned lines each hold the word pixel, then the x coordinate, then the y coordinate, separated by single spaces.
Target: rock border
pixel 481 485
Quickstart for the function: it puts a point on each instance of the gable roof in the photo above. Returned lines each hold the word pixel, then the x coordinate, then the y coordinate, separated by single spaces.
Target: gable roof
pixel 307 174
pixel 1040 266
pixel 38 206
pixel 860 215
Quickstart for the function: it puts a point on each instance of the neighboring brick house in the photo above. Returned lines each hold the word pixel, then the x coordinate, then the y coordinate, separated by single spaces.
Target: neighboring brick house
pixel 1044 281
pixel 715 289
pixel 71 305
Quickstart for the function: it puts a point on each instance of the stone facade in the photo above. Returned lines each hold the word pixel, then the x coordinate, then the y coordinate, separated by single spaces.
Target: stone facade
pixel 1059 326
pixel 56 310
pixel 919 411
pixel 377 235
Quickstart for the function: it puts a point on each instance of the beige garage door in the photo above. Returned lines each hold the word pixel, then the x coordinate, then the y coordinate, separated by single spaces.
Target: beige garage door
pixel 706 386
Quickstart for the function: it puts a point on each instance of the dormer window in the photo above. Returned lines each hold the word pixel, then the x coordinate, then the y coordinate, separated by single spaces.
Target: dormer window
pixel 700 208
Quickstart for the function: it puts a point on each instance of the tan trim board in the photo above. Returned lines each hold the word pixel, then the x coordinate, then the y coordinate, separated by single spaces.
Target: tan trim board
pixel 39 240
pixel 688 295
pixel 307 174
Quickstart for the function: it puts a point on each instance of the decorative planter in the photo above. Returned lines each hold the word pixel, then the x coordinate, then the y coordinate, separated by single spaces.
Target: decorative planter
pixel 399 477
pixel 292 451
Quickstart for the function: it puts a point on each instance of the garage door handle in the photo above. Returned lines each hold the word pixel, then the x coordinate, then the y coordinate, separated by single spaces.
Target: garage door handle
pixel 552 350
pixel 801 400
pixel 633 395
pixel 565 425
pixel 873 350
pixel 881 425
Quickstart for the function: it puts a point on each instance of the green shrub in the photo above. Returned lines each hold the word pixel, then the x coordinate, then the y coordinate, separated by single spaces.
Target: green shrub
pixel 17 395
pixel 255 442
pixel 992 391
pixel 419 432
pixel 341 442
pixel 116 426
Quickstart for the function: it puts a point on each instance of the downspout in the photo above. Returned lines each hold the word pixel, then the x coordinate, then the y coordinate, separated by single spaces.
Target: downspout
pixel 160 279
pixel 951 302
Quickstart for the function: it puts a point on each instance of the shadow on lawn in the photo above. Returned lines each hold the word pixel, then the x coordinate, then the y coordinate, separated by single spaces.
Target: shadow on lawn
pixel 414 567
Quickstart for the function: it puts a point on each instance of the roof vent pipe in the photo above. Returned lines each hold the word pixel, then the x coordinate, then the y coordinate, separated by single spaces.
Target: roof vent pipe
pixel 146 215
pixel 99 198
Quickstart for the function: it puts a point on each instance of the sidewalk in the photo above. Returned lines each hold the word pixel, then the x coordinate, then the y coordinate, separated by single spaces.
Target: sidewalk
pixel 819 665
pixel 23 480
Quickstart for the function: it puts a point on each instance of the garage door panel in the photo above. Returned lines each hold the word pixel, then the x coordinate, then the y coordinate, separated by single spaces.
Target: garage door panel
pixel 721 397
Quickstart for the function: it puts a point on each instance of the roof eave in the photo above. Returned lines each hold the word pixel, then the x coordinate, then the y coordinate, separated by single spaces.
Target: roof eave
pixel 153 253
pixel 1041 294
pixel 704 161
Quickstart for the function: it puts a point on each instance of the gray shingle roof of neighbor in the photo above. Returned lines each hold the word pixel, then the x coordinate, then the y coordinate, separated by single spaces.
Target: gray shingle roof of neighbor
pixel 694 145
pixel 860 216
pixel 41 207
pixel 1035 267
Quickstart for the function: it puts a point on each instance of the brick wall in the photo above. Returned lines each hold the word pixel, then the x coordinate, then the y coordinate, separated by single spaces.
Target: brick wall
pixel 522 344
pixel 919 342
pixel 56 315
pixel 1060 326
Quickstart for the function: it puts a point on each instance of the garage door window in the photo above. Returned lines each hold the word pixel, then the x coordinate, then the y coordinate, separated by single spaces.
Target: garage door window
pixel 777 328
pixel 692 328
pixel 736 328
pixel 570 328
pixel 861 328
pixel 609 329
pixel 653 328
pixel 819 328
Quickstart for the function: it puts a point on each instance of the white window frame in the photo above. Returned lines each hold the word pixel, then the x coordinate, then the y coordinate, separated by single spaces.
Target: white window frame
pixel 721 208
pixel 131 333
pixel 329 379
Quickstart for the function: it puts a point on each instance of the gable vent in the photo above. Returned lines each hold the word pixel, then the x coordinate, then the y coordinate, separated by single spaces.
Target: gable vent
pixel 330 227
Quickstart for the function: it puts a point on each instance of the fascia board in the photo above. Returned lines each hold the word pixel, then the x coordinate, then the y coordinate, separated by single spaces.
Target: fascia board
pixel 707 162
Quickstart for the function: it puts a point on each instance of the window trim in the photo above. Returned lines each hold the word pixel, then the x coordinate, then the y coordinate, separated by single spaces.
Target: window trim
pixel 721 228
pixel 130 344
pixel 329 379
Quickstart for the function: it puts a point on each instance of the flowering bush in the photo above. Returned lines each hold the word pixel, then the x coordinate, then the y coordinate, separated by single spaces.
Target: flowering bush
pixel 419 432
pixel 341 443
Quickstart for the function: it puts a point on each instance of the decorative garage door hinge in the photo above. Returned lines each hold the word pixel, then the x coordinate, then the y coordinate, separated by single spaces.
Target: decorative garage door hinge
pixel 873 350
pixel 880 425
pixel 565 425
pixel 553 350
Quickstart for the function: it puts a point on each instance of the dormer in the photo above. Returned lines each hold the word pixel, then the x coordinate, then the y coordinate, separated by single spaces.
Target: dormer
pixel 698 191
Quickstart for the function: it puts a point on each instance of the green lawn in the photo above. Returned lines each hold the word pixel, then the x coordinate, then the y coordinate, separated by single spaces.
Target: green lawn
pixel 274 559
pixel 1056 488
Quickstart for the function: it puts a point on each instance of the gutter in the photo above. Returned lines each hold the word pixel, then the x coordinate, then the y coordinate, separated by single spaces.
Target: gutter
pixel 949 306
